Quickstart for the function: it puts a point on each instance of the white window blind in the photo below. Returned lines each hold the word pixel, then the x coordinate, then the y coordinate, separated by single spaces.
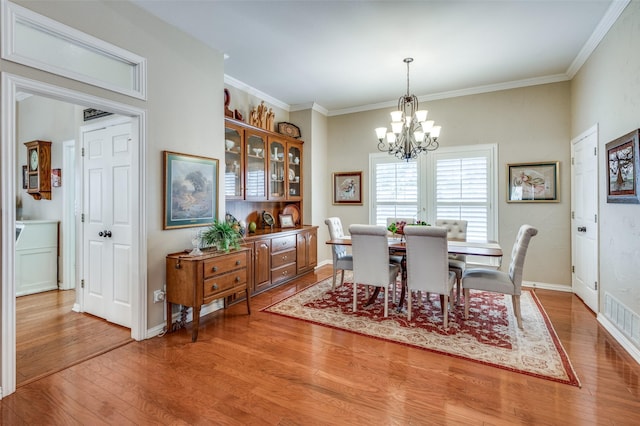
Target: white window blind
pixel 394 188
pixel 462 185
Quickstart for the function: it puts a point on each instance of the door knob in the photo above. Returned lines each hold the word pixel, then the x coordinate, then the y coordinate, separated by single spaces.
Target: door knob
pixel 582 229
pixel 100 234
pixel 107 234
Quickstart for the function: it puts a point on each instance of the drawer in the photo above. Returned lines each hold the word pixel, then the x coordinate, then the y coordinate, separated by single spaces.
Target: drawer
pixel 283 243
pixel 221 283
pixel 282 258
pixel 224 264
pixel 283 273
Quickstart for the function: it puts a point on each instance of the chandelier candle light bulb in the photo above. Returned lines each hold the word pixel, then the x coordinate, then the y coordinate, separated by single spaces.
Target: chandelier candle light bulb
pixel 411 132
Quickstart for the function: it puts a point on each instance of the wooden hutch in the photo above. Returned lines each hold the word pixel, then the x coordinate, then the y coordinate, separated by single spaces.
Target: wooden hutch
pixel 263 171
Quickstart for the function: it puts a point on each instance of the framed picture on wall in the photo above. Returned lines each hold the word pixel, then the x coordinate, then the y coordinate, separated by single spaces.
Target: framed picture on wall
pixel 190 190
pixel 347 188
pixel 533 182
pixel 623 169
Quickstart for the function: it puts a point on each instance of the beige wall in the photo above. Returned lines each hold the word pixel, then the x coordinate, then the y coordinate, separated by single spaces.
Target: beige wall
pixel 184 106
pixel 607 91
pixel 528 125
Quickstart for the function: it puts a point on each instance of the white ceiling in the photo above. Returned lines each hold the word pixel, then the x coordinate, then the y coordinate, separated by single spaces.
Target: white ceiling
pixel 347 56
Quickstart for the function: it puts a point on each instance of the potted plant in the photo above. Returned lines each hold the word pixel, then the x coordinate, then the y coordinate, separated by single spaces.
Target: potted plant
pixel 223 235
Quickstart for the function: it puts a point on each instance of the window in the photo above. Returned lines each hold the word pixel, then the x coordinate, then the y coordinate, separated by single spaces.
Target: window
pixel 461 184
pixel 450 183
pixel 394 188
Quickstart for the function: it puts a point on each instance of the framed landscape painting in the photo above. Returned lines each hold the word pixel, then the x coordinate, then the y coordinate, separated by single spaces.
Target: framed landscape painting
pixel 533 182
pixel 623 169
pixel 190 190
pixel 347 188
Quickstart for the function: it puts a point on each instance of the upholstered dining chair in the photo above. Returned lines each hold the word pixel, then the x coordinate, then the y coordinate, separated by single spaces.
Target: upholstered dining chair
pixel 371 266
pixel 428 266
pixel 499 281
pixel 456 230
pixel 342 261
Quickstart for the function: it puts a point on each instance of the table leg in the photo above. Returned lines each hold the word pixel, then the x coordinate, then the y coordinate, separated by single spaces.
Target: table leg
pixel 196 323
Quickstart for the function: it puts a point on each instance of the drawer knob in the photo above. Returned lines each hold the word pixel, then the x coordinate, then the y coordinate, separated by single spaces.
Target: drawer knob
pixel 237 262
pixel 214 287
pixel 237 279
pixel 284 257
pixel 284 273
pixel 214 269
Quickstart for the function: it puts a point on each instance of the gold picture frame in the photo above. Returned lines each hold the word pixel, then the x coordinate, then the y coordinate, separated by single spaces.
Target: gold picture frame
pixel 347 188
pixel 533 182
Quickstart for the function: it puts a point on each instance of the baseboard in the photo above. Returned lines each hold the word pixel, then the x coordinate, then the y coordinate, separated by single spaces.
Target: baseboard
pixel 547 286
pixel 619 337
pixel 325 262
pixel 159 330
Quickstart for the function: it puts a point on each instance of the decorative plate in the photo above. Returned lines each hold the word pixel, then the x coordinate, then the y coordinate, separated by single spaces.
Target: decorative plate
pixel 289 129
pixel 293 210
pixel 292 174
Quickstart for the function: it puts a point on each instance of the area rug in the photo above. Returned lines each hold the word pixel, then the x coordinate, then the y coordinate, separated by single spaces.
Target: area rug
pixel 490 336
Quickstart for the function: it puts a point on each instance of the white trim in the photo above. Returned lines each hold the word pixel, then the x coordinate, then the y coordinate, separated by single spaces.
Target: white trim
pixel 547 286
pixel 610 17
pixel 619 337
pixel 312 106
pixel 13 14
pixel 69 211
pixel 255 92
pixel 11 84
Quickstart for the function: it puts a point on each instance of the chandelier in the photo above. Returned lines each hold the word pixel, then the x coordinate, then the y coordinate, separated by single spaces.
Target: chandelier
pixel 411 133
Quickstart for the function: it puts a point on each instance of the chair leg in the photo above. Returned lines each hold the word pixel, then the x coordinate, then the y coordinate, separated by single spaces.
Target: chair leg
pixel 341 276
pixel 445 313
pixel 409 297
pixel 386 301
pixel 355 295
pixel 516 308
pixel 466 303
pixel 333 286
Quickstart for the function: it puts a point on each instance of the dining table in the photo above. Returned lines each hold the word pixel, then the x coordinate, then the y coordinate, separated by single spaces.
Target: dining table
pixel 397 246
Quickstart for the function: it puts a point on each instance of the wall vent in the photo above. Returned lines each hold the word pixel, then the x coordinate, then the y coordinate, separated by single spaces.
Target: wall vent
pixel 627 321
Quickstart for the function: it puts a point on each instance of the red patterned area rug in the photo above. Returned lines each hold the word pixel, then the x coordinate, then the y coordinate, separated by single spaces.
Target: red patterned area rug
pixel 490 336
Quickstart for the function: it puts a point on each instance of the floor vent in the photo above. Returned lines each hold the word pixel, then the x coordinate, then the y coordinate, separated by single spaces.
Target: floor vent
pixel 624 318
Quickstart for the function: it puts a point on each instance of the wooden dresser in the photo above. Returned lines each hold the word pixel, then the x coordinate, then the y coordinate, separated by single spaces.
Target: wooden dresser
pixel 197 280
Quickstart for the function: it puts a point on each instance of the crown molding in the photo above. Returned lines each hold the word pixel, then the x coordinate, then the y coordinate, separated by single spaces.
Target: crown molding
pixel 255 92
pixel 310 105
pixel 607 21
pixel 457 93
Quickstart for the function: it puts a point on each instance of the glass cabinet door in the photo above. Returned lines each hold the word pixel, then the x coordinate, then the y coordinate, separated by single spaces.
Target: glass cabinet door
pixel 256 176
pixel 277 170
pixel 233 176
pixel 294 159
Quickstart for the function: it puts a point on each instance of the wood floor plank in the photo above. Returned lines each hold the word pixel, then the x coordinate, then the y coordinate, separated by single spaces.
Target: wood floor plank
pixel 266 369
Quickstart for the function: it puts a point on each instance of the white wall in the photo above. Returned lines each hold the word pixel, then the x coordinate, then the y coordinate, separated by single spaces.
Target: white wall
pixel 185 105
pixel 607 91
pixel 528 125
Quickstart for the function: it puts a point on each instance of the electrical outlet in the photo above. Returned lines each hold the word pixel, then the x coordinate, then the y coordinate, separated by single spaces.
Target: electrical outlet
pixel 158 296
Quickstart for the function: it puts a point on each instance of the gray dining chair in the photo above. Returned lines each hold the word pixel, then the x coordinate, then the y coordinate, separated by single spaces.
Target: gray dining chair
pixel 499 281
pixel 428 266
pixel 342 260
pixel 371 265
pixel 456 230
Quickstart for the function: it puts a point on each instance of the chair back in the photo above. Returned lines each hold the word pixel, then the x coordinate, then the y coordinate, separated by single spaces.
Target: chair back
pixel 370 251
pixel 518 254
pixel 427 261
pixel 335 231
pixel 456 230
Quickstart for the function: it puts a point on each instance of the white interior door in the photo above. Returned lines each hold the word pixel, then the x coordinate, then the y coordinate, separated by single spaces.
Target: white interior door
pixel 584 217
pixel 108 223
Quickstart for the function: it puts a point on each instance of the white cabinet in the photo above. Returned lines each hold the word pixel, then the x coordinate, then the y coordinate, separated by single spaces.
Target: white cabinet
pixel 36 256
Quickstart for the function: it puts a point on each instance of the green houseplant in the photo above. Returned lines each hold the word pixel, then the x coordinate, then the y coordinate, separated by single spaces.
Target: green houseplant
pixel 223 235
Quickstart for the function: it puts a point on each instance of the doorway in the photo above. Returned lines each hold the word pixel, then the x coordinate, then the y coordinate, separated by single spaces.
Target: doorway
pixel 11 86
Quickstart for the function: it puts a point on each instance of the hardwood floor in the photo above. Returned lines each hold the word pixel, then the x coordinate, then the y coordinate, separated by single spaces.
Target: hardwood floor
pixel 267 369
pixel 50 337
